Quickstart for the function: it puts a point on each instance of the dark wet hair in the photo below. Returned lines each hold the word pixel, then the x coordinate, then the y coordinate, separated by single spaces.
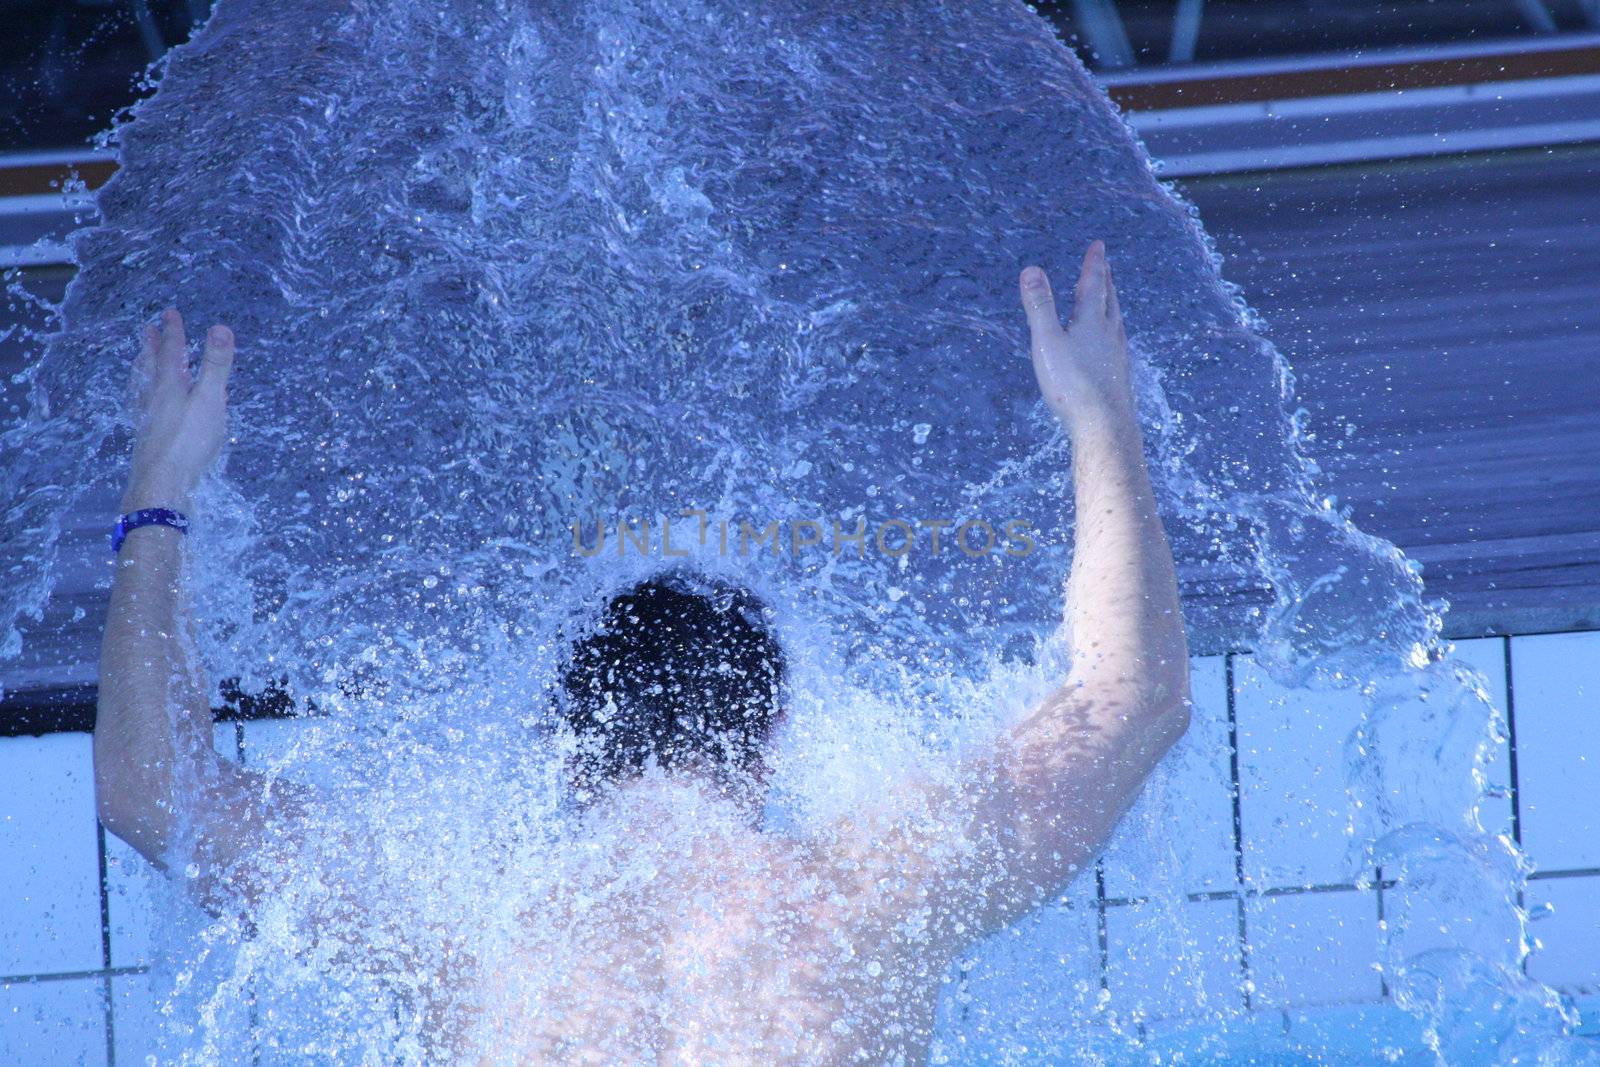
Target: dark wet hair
pixel 678 666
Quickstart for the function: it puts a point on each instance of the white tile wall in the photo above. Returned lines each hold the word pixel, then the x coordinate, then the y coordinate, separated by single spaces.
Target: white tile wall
pixel 1313 948
pixel 1566 922
pixel 50 894
pixel 1487 655
pixel 298 746
pixel 136 1021
pixel 1174 958
pixel 53 1023
pixel 1179 836
pixel 1439 906
pixel 1042 979
pixel 1295 813
pixel 129 899
pixel 130 891
pixel 1556 678
pixel 1026 986
pixel 269 741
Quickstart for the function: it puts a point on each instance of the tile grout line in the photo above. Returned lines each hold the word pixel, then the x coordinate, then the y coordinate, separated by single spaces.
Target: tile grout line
pixel 1383 977
pixel 254 1011
pixel 68 976
pixel 111 1020
pixel 108 1002
pixel 105 895
pixel 1247 893
pixel 1564 872
pixel 1101 931
pixel 1238 833
pixel 1511 747
pixel 1515 788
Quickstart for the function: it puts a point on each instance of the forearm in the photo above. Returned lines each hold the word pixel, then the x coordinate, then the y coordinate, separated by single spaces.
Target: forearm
pixel 1122 595
pixel 153 727
pixel 1063 774
pixel 1074 763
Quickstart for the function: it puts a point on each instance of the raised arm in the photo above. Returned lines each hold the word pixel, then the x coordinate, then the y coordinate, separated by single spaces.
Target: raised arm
pixel 1071 767
pixel 155 768
pixel 159 784
pixel 1021 818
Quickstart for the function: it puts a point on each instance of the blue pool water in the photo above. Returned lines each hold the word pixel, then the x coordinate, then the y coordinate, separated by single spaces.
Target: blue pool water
pixel 1371 1034
pixel 501 268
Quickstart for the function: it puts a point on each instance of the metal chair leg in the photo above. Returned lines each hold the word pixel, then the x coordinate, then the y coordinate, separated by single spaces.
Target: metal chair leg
pixel 1186 30
pixel 1102 25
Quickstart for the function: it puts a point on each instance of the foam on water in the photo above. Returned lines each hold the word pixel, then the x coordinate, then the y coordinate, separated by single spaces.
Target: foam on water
pixel 500 268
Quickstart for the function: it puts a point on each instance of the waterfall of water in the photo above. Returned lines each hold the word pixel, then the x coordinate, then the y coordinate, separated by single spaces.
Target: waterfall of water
pixel 500 269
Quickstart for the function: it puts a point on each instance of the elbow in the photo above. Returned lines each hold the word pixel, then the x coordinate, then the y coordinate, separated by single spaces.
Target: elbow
pixel 111 805
pixel 1163 725
pixel 1172 708
pixel 108 775
pixel 1177 721
pixel 127 796
pixel 141 825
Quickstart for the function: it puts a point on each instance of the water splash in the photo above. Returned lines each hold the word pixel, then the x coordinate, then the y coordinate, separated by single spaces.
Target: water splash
pixel 499 269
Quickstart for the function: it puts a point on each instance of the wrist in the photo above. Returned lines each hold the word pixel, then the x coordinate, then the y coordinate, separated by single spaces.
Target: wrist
pixel 1101 419
pixel 140 496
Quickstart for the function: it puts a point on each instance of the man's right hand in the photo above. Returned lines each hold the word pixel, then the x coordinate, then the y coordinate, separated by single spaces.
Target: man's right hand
pixel 1083 370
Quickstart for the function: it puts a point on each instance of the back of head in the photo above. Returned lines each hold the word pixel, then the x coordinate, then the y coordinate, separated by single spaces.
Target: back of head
pixel 680 670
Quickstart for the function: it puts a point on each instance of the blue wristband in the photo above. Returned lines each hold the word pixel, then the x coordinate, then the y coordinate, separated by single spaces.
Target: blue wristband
pixel 147 517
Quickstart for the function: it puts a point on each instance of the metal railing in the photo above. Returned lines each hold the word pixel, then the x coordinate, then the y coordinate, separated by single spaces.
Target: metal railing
pixel 1102 27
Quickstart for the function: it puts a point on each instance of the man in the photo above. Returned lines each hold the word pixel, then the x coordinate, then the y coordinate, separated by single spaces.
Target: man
pixel 738 946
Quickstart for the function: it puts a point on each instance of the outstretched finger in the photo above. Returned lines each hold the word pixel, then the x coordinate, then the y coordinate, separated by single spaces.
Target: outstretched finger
pixel 149 342
pixel 1090 294
pixel 1040 303
pixel 173 354
pixel 144 368
pixel 216 360
pixel 1113 309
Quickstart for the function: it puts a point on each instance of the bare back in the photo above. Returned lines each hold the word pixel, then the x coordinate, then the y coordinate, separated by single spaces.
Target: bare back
pixel 741 948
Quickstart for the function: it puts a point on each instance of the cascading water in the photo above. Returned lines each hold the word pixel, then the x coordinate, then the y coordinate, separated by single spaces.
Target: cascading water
pixel 504 271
